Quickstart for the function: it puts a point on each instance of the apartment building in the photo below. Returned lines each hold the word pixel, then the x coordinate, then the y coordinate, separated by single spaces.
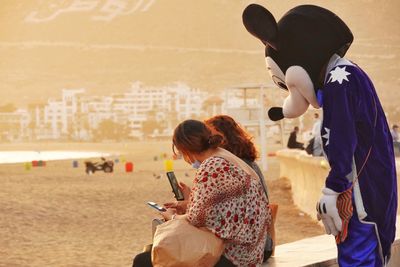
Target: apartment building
pixel 76 115
pixel 166 105
pixel 14 126
pixel 60 118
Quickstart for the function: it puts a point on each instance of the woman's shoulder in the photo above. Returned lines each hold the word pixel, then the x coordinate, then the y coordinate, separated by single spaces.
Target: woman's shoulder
pixel 216 160
pixel 215 163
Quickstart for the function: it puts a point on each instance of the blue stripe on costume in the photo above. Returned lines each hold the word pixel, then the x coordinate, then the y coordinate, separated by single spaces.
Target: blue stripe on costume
pixel 361 247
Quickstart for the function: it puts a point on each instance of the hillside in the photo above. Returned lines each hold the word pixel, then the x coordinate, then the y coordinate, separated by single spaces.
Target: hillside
pixel 104 45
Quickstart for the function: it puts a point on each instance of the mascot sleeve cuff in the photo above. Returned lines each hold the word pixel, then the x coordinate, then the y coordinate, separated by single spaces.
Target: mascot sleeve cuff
pixel 337 186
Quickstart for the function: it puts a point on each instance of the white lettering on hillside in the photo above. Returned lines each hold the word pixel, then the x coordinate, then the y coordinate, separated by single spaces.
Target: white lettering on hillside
pixel 104 10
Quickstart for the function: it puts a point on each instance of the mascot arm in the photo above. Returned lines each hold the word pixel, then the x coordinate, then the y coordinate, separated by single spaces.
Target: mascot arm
pixel 339 132
pixel 340 140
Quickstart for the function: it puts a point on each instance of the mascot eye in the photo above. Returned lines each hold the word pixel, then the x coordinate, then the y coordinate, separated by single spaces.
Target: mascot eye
pixel 278 81
pixel 282 85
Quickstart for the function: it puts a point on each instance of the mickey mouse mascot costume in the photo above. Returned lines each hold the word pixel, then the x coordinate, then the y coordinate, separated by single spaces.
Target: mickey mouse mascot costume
pixel 304 55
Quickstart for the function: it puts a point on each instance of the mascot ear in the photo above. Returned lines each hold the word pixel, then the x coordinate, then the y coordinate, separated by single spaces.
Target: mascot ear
pixel 261 23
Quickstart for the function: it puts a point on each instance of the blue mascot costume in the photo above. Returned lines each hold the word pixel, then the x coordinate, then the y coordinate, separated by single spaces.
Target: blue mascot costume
pixel 304 53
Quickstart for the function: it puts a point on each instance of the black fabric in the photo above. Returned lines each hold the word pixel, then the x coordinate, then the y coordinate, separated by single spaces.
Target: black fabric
pixel 144 260
pixel 269 243
pixel 269 248
pixel 292 142
pixel 224 262
pixel 310 146
pixel 257 169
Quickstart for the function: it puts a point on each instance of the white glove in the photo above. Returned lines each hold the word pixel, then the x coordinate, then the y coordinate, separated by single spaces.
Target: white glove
pixel 328 212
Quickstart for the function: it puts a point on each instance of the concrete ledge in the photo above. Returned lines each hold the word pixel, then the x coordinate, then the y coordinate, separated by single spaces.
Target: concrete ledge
pixel 305 252
pixel 319 251
pixel 307 177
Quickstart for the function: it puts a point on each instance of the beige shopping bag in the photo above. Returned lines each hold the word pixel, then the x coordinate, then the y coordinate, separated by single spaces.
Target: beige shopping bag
pixel 178 243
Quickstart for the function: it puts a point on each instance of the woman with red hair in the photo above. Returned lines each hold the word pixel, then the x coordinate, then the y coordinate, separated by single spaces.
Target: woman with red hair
pixel 237 141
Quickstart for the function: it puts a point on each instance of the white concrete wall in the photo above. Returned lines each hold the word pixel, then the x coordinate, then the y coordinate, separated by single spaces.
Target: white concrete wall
pixel 307 176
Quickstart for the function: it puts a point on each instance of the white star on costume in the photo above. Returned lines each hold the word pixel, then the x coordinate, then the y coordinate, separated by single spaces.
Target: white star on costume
pixel 326 136
pixel 339 74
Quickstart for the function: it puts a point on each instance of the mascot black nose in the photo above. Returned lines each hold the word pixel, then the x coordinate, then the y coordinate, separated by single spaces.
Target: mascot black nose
pixel 275 113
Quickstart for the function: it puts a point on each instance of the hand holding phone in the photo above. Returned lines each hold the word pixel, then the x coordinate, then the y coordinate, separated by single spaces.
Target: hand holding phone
pixel 179 206
pixel 156 206
pixel 186 190
pixel 175 187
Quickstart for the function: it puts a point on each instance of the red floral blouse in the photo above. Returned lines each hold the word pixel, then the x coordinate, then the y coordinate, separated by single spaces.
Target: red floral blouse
pixel 233 205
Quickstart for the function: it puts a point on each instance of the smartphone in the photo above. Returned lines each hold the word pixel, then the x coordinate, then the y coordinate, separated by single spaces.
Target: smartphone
pixel 174 184
pixel 156 206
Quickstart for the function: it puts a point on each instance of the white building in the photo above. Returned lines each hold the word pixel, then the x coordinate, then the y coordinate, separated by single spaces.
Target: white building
pixel 14 126
pixel 76 115
pixel 188 101
pixel 96 109
pixel 164 104
pixel 60 118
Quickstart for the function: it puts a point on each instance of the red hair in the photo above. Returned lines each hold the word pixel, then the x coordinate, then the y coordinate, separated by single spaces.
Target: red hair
pixel 236 140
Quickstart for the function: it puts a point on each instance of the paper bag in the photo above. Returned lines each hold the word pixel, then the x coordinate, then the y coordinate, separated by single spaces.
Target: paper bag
pixel 178 243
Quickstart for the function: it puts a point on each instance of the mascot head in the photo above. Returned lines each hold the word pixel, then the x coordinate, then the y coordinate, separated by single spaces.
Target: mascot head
pixel 297 50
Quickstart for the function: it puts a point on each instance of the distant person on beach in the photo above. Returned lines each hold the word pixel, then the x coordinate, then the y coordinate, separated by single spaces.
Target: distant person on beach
pixel 222 186
pixel 292 142
pixel 314 146
pixel 396 138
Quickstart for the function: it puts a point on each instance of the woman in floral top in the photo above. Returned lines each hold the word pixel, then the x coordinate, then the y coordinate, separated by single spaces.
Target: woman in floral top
pixel 227 196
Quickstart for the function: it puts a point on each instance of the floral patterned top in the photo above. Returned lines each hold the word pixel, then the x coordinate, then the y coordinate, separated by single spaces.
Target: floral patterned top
pixel 231 204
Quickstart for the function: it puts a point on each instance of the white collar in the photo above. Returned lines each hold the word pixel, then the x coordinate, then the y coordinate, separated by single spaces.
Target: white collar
pixel 334 61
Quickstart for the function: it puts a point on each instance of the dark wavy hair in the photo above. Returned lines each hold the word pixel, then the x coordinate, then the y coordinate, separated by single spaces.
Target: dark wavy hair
pixel 195 137
pixel 236 140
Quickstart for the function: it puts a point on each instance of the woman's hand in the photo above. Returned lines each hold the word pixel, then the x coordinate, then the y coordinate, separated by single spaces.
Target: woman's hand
pixel 180 206
pixel 167 215
pixel 185 190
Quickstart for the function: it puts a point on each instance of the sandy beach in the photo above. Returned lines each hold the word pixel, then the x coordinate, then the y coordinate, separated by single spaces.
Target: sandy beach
pixel 59 216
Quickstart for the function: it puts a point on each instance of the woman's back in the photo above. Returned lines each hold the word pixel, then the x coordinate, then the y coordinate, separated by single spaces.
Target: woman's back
pixel 232 204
